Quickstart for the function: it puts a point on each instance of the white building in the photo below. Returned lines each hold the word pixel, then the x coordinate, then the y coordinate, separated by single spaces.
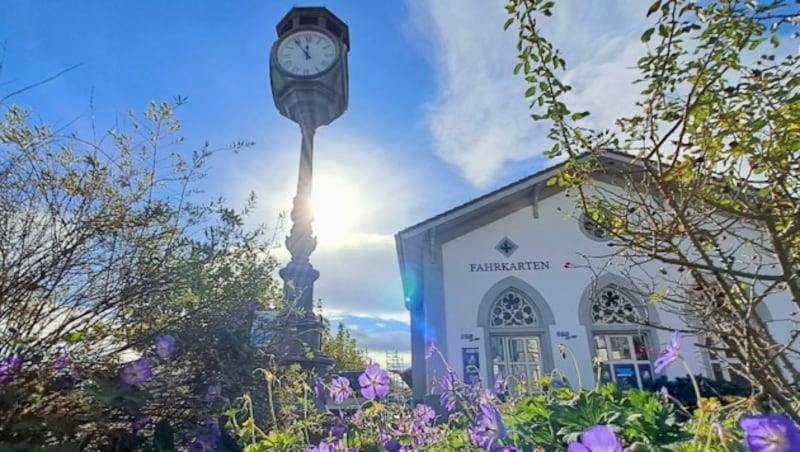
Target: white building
pixel 489 282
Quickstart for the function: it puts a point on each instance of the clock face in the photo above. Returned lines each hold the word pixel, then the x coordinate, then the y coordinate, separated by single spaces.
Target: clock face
pixel 306 53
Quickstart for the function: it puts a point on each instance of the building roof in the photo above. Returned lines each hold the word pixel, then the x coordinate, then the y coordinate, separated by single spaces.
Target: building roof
pixel 539 176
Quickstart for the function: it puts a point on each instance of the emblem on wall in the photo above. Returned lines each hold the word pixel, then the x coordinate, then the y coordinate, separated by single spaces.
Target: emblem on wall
pixel 506 247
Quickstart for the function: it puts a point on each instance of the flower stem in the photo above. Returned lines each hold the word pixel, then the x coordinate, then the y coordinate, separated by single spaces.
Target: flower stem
pixel 575 364
pixel 697 393
pixel 694 381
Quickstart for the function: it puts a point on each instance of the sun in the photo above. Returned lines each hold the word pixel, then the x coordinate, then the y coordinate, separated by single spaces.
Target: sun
pixel 338 208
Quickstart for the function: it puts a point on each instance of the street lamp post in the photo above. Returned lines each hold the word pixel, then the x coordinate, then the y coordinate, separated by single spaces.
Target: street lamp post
pixel 309 81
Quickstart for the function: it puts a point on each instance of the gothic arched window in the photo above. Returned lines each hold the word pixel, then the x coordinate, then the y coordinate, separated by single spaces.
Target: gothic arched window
pixel 612 306
pixel 620 339
pixel 511 309
pixel 515 320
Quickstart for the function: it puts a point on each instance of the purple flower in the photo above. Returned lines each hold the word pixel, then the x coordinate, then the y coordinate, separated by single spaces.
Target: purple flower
pixel 213 392
pixel 62 358
pixel 448 398
pixel 489 429
pixel 374 382
pixel 599 438
pixel 770 433
pixel 9 368
pixel 670 354
pixel 137 372
pixel 394 446
pixel 500 383
pixel 340 389
pixel 319 389
pixel 165 346
pixel 323 447
pixel 338 428
pixel 424 413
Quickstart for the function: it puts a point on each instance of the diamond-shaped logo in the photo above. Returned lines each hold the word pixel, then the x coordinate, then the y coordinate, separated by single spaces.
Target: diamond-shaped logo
pixel 506 247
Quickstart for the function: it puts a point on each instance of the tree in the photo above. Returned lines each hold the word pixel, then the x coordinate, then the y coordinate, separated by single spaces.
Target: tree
pixel 712 192
pixel 103 250
pixel 343 349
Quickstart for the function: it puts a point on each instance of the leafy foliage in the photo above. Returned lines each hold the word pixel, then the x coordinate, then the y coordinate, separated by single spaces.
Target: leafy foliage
pixel 549 419
pixel 103 248
pixel 343 349
pixel 707 189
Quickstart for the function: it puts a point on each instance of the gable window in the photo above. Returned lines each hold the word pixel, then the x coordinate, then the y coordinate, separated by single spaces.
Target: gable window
pixel 592 229
pixel 619 341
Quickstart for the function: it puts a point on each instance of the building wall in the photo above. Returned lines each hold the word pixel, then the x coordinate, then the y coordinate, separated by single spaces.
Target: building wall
pixel 550 248
pixel 451 282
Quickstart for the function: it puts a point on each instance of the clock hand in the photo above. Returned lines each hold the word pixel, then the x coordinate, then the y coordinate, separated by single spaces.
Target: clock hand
pixel 305 51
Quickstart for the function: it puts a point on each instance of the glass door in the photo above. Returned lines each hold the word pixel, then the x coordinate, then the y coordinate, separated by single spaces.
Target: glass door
pixel 517 359
pixel 625 360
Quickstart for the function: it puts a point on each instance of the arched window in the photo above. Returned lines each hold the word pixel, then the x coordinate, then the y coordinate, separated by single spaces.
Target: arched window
pixel 611 306
pixel 615 319
pixel 511 309
pixel 515 318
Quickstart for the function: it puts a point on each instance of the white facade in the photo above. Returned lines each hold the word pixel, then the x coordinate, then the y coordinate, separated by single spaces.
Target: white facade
pixel 499 284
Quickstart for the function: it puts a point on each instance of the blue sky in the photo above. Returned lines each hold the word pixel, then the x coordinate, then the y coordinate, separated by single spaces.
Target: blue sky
pixel 436 116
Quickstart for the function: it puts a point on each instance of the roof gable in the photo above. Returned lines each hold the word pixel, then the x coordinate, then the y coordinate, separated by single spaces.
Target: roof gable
pixel 508 199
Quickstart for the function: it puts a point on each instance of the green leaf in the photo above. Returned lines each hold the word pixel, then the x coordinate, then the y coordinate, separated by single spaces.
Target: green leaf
pixel 775 41
pixel 530 91
pixel 579 115
pixel 647 34
pixel 75 337
pixel 653 8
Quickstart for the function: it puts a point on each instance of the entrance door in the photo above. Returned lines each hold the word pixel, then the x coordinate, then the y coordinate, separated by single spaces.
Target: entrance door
pixel 624 360
pixel 517 358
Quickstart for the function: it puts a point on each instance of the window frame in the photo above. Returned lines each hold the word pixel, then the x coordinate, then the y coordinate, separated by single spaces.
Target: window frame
pixel 540 330
pixel 646 314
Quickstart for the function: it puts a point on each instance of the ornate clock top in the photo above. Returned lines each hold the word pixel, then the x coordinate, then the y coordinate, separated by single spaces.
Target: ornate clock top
pixel 308 67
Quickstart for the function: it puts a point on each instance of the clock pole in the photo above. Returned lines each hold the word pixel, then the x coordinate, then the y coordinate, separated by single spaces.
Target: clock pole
pixel 309 81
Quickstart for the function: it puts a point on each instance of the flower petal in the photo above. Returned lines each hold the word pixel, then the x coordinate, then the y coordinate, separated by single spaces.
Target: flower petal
pixel 770 432
pixel 577 447
pixel 601 438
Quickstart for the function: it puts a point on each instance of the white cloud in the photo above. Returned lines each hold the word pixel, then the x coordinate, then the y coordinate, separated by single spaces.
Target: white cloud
pixel 334 314
pixel 480 120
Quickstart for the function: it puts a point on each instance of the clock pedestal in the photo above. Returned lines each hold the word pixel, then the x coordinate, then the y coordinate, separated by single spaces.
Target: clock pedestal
pixel 311 101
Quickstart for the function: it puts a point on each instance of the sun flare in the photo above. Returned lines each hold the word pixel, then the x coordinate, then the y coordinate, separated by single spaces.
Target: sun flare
pixel 338 208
